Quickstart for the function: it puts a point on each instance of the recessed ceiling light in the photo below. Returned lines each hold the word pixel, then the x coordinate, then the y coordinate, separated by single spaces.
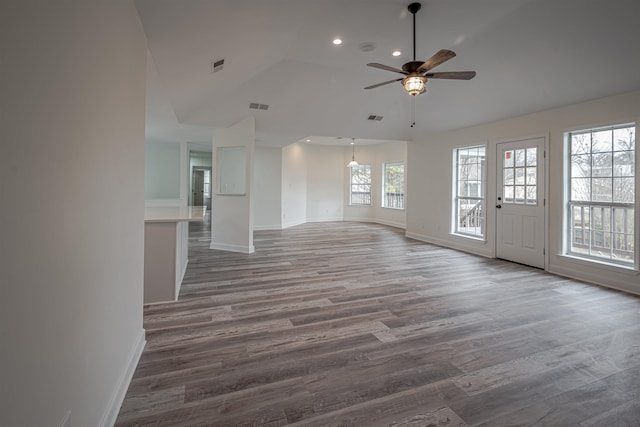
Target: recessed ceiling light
pixel 396 53
pixel 337 41
pixel 308 140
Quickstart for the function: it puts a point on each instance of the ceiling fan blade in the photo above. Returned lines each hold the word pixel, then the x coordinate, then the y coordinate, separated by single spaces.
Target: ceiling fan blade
pixel 441 56
pixel 383 83
pixel 458 75
pixel 385 67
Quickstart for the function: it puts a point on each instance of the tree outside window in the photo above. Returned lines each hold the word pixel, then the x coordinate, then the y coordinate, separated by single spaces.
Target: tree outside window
pixel 393 185
pixel 360 188
pixel 601 203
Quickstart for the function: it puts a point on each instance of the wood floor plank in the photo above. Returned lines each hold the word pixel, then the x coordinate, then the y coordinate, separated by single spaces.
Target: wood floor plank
pixel 352 324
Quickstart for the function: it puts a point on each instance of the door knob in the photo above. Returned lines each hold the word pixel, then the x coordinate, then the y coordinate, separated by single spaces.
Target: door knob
pixel 499 206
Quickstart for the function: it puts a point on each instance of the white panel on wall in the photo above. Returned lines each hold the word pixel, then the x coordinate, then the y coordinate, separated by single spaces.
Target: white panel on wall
pixel 232 215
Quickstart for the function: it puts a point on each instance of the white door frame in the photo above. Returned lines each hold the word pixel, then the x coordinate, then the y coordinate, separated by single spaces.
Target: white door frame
pixel 545 172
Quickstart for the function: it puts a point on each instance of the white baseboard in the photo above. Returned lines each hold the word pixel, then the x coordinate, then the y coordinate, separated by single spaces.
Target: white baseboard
pixel 267 227
pixel 392 224
pixel 603 279
pixel 232 248
pixel 324 219
pixel 449 244
pixel 294 223
pixel 118 395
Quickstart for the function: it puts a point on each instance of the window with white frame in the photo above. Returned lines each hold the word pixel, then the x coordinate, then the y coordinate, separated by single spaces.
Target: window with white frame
pixel 360 188
pixel 469 191
pixel 393 185
pixel 600 194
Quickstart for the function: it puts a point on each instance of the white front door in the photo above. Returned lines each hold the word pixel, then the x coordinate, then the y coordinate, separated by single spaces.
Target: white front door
pixel 520 212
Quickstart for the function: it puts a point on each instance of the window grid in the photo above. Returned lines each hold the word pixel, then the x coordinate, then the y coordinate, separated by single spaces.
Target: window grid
pixel 360 188
pixel 520 177
pixel 393 185
pixel 469 201
pixel 601 205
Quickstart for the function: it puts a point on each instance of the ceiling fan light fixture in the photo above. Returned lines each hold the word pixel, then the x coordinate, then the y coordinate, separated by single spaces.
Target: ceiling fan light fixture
pixel 414 85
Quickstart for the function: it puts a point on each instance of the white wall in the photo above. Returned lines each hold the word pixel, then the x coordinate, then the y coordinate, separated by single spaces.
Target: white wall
pixel 162 170
pixel 430 165
pixel 325 183
pixel 232 215
pixel 294 185
pixel 72 95
pixel 267 201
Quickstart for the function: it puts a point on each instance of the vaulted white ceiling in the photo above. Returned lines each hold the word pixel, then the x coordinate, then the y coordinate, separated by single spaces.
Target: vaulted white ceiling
pixel 529 55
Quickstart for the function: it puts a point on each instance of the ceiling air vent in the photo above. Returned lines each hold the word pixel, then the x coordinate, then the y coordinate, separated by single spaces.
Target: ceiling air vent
pixel 374 117
pixel 217 65
pixel 256 106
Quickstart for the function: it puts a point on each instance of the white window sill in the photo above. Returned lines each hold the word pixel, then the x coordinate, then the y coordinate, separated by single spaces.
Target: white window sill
pixel 395 209
pixel 470 237
pixel 627 269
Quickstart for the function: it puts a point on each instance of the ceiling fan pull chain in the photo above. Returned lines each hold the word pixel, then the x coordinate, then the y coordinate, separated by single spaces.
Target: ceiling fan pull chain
pixel 413 112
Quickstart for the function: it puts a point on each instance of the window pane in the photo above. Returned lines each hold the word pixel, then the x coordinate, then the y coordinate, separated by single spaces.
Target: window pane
pixel 519 176
pixel 508 158
pixel 623 190
pixel 532 156
pixel 508 193
pixel 601 164
pixel 580 189
pixel 602 190
pixel 602 141
pixel 507 176
pixel 520 156
pixel 531 194
pixel 581 143
pixel 532 175
pixel 581 165
pixel 623 163
pixel 624 139
pixel 520 194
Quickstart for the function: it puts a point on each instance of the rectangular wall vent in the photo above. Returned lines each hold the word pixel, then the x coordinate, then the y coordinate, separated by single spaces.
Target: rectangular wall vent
pixel 374 117
pixel 217 65
pixel 257 106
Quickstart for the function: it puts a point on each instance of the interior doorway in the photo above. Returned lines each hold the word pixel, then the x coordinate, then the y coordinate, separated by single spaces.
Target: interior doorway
pixel 201 186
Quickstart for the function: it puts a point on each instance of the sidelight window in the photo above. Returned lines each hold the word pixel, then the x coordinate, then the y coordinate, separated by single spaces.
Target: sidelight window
pixel 469 191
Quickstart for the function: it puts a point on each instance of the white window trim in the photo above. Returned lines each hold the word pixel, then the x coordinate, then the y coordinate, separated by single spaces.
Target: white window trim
pixel 454 186
pixel 370 204
pixel 586 259
pixel 404 184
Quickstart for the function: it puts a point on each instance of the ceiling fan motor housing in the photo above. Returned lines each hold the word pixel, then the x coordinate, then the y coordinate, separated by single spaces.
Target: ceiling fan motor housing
pixel 414 8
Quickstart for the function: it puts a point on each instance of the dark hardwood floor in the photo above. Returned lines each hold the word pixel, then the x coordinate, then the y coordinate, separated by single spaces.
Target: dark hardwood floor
pixel 351 324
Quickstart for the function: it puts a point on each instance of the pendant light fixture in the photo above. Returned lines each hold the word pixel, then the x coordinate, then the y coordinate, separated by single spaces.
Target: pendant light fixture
pixel 353 162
